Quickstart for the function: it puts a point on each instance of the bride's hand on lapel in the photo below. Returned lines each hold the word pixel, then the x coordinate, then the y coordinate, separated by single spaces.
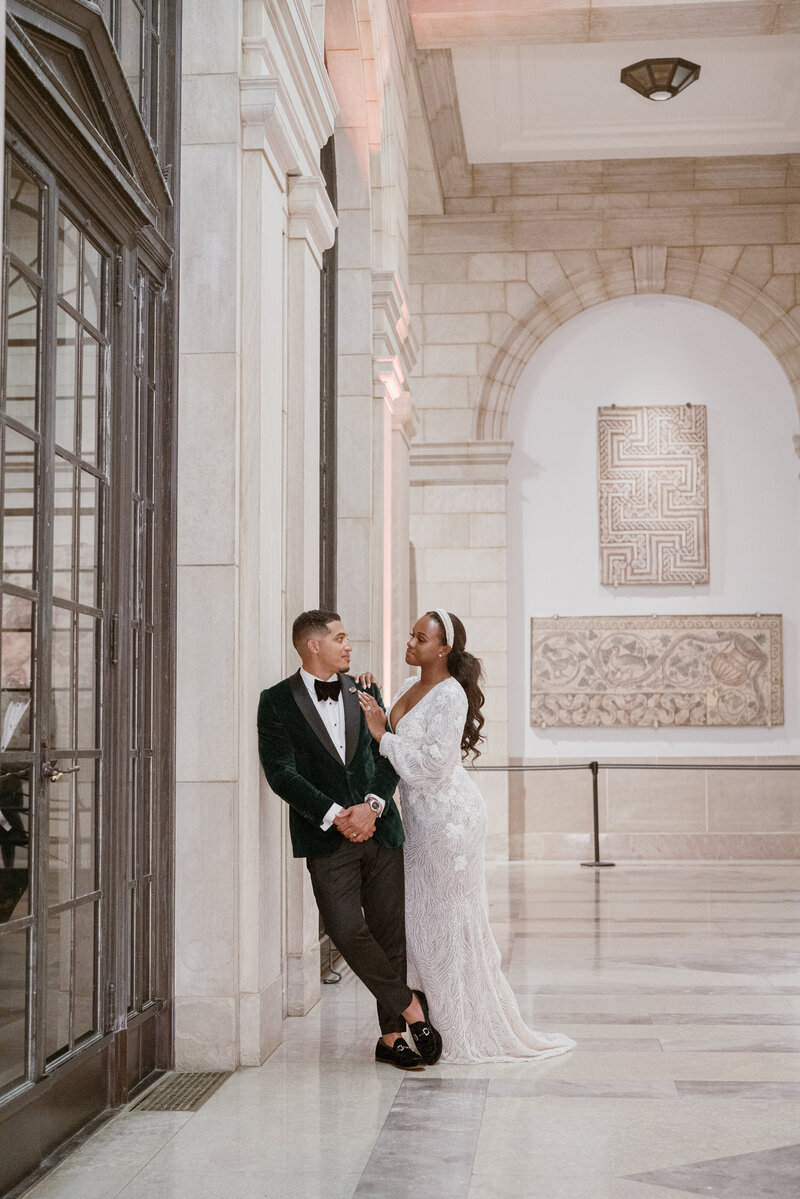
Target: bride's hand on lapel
pixel 373 714
pixel 366 680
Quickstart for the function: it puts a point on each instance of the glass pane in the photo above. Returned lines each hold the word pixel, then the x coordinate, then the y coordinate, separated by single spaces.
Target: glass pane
pixel 61 734
pixel 85 970
pixel 132 820
pixel 16 659
pixel 129 45
pixel 90 385
pixel 85 830
pixel 146 685
pixel 59 959
pixel 146 942
pixel 149 566
pixel 59 839
pixel 66 361
pixel 152 119
pixel 88 627
pixel 22 333
pixel 63 528
pixel 132 942
pixel 13 975
pixel 151 445
pixel 145 807
pixel 68 256
pixel 14 859
pixel 19 475
pixel 22 235
pixel 87 549
pixel 92 283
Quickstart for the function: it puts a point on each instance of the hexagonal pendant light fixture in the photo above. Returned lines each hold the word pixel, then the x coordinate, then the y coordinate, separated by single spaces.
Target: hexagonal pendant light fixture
pixel 660 78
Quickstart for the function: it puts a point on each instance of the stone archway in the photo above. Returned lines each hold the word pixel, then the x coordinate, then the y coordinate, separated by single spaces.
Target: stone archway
pixel 742 281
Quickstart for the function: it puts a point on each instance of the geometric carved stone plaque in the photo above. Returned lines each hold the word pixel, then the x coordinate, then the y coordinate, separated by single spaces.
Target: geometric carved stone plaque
pixel 653 494
pixel 648 671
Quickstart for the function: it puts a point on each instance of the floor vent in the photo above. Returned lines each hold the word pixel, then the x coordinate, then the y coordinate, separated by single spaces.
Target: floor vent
pixel 181 1092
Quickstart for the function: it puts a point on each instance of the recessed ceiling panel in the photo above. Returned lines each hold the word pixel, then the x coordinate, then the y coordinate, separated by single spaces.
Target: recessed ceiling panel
pixel 563 102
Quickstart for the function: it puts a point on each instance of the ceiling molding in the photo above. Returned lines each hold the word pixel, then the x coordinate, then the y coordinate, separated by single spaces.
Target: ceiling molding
pixel 444 24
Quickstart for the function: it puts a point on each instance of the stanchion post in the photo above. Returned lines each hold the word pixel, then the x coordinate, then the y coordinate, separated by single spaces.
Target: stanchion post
pixel 595 769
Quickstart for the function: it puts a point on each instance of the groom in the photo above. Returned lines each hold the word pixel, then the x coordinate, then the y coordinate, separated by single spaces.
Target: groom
pixel 318 755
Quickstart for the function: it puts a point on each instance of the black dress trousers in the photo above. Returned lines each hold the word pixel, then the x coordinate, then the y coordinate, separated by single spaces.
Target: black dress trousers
pixel 360 892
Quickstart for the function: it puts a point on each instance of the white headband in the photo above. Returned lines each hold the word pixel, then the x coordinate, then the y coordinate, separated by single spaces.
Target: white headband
pixel 448 625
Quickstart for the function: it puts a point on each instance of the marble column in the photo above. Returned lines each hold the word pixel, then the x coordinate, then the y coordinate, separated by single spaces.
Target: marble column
pixel 208 683
pixel 312 223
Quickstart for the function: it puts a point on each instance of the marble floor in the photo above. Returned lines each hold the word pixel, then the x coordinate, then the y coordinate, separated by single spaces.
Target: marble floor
pixel 681 985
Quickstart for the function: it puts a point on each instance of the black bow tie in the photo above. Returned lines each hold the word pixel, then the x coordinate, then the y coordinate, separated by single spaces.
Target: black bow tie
pixel 327 690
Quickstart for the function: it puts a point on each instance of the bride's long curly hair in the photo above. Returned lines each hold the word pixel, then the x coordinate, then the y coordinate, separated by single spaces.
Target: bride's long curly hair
pixel 468 671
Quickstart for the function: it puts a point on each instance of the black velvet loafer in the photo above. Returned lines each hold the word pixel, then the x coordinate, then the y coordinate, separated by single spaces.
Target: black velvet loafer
pixel 400 1055
pixel 427 1040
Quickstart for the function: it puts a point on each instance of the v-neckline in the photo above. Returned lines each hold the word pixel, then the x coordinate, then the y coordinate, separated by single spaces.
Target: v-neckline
pixel 408 711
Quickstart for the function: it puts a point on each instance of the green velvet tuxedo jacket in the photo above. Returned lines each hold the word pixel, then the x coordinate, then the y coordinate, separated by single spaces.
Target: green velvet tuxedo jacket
pixel 303 767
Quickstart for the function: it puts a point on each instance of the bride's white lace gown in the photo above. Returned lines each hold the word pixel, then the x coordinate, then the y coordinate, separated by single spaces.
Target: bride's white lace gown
pixel 452 955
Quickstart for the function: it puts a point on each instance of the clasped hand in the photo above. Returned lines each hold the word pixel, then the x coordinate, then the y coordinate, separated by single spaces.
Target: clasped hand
pixel 356 823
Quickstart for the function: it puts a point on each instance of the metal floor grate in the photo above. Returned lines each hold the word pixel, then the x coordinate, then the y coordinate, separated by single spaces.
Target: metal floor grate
pixel 181 1092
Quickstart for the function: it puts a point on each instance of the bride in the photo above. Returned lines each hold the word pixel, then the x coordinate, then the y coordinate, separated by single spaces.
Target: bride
pixel 453 958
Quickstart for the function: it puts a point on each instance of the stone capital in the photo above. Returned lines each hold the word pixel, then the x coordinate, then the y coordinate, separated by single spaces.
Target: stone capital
pixel 394 345
pixel 404 416
pixel 312 217
pixel 270 124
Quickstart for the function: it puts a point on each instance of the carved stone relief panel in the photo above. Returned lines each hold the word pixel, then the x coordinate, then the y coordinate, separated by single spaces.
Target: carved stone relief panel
pixel 624 671
pixel 653 494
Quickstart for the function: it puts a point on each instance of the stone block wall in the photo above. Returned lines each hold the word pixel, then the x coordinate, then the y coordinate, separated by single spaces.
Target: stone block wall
pixel 519 250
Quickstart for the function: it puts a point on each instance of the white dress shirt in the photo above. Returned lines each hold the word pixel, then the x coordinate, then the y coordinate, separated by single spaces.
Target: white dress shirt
pixel 332 713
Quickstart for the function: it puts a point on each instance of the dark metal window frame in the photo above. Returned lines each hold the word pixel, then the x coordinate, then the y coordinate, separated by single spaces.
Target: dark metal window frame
pixel 129 205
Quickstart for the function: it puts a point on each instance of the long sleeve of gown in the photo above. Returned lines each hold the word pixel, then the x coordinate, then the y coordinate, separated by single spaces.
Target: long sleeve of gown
pixel 436 757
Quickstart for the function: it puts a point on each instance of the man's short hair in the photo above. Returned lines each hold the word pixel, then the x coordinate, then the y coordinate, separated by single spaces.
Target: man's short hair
pixel 313 623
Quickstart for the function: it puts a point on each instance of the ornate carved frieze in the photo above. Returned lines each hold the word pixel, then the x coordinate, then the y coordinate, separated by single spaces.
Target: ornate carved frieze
pixel 653 494
pixel 647 671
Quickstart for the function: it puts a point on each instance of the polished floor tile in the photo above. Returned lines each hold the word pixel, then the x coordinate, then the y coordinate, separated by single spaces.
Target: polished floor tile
pixel 681 985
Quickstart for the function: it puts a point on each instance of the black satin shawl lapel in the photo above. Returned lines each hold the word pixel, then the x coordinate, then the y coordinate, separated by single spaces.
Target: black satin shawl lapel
pixel 317 724
pixel 352 718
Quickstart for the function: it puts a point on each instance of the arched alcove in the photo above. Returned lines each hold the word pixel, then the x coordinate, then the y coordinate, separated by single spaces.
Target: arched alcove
pixel 651 350
pixel 722 277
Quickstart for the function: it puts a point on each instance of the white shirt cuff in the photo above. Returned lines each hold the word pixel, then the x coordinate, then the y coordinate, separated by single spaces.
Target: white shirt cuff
pixel 331 814
pixel 382 802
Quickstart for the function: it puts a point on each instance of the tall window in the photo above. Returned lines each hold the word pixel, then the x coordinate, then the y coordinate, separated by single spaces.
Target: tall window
pixel 134 25
pixel 86 600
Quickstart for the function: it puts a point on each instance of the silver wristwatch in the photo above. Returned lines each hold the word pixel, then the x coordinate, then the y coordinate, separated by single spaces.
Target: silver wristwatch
pixel 376 806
